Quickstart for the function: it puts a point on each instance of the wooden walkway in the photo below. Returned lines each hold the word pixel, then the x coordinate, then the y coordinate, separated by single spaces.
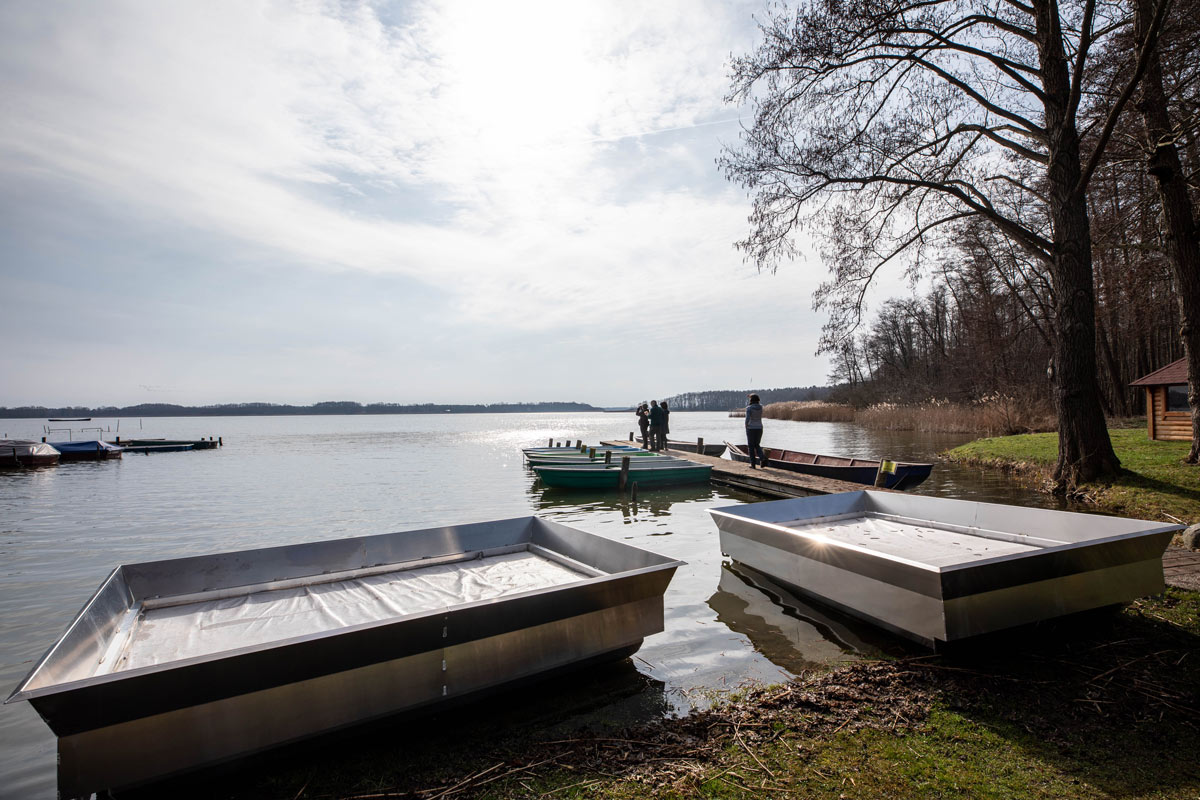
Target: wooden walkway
pixel 768 481
pixel 1181 567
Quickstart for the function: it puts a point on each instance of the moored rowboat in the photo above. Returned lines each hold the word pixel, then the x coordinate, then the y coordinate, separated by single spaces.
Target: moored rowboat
pixel 607 476
pixel 94 450
pixel 26 453
pixel 853 470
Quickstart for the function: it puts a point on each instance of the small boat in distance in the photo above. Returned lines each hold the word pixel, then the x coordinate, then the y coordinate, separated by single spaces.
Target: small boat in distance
pixel 94 450
pixel 68 419
pixel 26 453
pixel 853 470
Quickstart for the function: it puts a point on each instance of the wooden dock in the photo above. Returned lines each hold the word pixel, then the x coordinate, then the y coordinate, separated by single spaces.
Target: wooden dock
pixel 769 481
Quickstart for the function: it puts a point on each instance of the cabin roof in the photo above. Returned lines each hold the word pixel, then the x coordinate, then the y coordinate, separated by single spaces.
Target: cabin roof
pixel 1175 372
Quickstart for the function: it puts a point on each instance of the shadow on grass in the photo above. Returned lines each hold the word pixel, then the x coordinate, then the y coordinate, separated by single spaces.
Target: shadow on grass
pixel 1109 697
pixel 1136 480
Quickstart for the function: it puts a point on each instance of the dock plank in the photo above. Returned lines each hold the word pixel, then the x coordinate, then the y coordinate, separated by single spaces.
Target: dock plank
pixel 769 481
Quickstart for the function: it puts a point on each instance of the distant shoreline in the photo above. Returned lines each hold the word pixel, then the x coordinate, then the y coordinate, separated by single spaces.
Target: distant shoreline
pixel 269 410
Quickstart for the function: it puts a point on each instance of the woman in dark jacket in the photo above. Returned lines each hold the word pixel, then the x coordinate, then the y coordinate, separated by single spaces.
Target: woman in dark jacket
pixel 754 432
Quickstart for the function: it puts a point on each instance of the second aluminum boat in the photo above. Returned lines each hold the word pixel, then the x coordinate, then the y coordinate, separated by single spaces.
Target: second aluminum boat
pixel 937 570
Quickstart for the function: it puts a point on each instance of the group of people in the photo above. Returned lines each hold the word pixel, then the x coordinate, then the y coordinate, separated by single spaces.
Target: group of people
pixel 654 422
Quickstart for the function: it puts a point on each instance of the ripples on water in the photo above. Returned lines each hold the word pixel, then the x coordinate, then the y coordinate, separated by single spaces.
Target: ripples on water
pixel 282 480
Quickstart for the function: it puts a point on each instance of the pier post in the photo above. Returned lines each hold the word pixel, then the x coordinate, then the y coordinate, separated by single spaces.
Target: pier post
pixel 631 436
pixel 608 456
pixel 623 478
pixel 579 444
pixel 700 446
pixel 551 444
pixel 591 452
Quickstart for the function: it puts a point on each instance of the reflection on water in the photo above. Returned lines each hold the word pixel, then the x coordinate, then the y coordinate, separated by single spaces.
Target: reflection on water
pixel 792 632
pixel 283 480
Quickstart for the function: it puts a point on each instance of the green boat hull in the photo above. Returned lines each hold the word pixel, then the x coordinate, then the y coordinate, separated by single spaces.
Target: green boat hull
pixel 591 477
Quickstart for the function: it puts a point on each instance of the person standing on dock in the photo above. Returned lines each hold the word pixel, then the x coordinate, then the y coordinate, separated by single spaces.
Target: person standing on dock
pixel 643 418
pixel 754 432
pixel 666 426
pixel 658 421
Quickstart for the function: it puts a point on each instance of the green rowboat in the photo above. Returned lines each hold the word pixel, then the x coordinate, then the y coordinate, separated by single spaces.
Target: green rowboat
pixel 604 476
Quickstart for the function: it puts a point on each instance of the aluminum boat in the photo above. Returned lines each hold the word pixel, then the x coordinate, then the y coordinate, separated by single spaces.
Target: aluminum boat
pixel 937 570
pixel 178 664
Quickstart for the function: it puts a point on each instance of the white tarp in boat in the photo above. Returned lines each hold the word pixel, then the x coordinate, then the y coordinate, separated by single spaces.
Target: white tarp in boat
pixel 924 544
pixel 213 626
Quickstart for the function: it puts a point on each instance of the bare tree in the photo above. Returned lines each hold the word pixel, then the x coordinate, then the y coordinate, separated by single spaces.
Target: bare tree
pixel 1179 220
pixel 883 123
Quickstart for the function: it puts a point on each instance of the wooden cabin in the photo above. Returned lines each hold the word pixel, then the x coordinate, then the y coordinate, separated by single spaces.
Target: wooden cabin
pixel 1167 414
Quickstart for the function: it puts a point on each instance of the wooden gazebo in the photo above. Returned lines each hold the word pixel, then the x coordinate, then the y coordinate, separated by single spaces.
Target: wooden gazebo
pixel 1168 416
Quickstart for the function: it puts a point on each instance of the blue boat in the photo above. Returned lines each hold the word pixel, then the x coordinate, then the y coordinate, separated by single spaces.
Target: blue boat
pixel 94 450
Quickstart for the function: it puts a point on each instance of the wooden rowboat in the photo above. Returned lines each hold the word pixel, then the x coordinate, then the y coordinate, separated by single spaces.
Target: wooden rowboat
pixel 853 470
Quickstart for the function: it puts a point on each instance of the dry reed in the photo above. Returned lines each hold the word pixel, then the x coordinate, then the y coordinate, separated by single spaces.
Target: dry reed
pixel 994 415
pixel 809 411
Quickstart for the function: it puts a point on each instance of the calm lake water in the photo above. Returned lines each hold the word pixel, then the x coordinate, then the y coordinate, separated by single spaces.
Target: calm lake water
pixel 281 480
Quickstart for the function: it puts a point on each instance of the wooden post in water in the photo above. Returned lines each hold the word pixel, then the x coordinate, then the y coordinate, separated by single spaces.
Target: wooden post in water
pixel 591 452
pixel 631 436
pixel 579 444
pixel 633 492
pixel 551 444
pixel 608 456
pixel 700 446
pixel 885 468
pixel 623 478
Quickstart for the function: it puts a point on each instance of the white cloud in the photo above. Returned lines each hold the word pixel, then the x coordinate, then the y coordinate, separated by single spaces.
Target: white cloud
pixel 528 159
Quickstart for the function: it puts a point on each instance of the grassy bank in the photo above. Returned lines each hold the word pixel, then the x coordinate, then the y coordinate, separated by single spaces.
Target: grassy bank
pixel 1099 705
pixel 1155 482
pixel 997 415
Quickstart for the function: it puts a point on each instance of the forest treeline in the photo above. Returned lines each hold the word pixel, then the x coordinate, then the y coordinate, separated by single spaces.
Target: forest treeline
pixel 273 409
pixel 725 399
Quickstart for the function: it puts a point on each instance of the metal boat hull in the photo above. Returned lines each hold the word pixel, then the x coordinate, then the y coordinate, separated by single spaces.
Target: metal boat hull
pixel 951 569
pixel 131 727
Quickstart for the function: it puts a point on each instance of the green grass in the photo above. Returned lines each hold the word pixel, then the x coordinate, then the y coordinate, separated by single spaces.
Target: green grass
pixel 1155 483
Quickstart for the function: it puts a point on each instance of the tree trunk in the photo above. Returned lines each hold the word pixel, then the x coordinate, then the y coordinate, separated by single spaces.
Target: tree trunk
pixel 1183 247
pixel 1085 452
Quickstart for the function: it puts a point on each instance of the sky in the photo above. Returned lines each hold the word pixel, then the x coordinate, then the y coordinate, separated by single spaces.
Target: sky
pixel 455 202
